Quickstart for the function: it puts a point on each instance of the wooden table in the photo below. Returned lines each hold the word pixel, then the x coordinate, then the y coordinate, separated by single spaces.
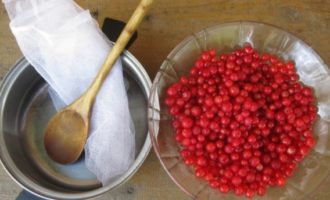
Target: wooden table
pixel 168 22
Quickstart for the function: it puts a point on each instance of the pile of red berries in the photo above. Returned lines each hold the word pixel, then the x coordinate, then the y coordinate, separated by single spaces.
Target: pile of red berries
pixel 243 120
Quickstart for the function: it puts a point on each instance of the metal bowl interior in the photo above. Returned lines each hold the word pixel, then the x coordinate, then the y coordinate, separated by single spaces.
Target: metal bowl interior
pixel 224 38
pixel 25 110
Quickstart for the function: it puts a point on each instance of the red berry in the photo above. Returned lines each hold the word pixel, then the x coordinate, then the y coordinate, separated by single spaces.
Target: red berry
pixel 196 111
pixel 310 141
pixel 210 147
pixel 215 184
pixel 224 188
pixel 200 172
pixel 242 120
pixel 247 154
pixel 261 191
pixel 228 174
pixel 239 191
pixel 243 172
pixel 209 101
pixel 187 122
pixel 281 181
pixel 234 90
pixel 236 180
pixel 227 106
pixel 249 193
pixel 201 161
pixel 250 177
pixel 186 133
pixel 254 161
pixel 291 150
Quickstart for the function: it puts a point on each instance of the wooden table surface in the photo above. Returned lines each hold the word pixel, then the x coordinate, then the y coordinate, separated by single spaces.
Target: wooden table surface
pixel 168 22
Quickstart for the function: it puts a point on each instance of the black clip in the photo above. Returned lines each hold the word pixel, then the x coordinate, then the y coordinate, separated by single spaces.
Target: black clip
pixel 112 29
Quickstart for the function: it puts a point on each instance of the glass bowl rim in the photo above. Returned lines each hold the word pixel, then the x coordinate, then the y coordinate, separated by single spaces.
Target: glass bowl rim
pixel 188 39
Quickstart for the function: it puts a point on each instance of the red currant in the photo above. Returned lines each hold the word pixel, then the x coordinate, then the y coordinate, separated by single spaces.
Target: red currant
pixel 242 120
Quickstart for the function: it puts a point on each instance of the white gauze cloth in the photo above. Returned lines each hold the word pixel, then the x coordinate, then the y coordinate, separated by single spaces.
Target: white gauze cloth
pixel 65 45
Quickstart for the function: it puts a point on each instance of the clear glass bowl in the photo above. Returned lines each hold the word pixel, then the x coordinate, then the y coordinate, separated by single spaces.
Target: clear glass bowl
pixel 224 38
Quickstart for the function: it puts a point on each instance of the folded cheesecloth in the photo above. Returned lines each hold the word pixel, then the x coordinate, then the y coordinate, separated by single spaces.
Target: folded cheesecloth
pixel 66 47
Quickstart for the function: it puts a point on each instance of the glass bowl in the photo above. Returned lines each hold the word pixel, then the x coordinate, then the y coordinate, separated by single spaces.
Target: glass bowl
pixel 224 38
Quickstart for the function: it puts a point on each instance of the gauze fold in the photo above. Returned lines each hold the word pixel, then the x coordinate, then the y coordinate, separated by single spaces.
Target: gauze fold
pixel 66 46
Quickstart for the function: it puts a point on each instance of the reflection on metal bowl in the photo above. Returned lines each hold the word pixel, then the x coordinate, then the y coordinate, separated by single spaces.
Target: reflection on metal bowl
pixel 25 110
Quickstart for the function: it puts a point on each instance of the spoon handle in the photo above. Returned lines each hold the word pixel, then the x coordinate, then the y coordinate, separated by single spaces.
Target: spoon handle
pixel 119 46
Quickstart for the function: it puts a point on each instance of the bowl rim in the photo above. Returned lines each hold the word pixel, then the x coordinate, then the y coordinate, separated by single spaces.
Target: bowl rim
pixel 24 182
pixel 179 46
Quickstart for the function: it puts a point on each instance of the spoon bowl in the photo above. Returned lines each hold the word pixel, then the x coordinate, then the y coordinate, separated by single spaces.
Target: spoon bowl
pixel 73 133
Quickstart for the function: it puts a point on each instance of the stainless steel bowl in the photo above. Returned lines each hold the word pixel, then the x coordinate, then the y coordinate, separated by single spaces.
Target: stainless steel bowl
pixel 26 107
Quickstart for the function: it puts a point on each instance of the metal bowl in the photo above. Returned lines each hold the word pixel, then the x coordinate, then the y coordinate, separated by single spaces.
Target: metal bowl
pixel 25 109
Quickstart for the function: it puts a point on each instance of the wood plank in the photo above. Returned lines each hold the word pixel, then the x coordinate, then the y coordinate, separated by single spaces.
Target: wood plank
pixel 166 25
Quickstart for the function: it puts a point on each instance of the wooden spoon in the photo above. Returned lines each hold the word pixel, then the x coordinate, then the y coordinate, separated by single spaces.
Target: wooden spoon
pixel 67 131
